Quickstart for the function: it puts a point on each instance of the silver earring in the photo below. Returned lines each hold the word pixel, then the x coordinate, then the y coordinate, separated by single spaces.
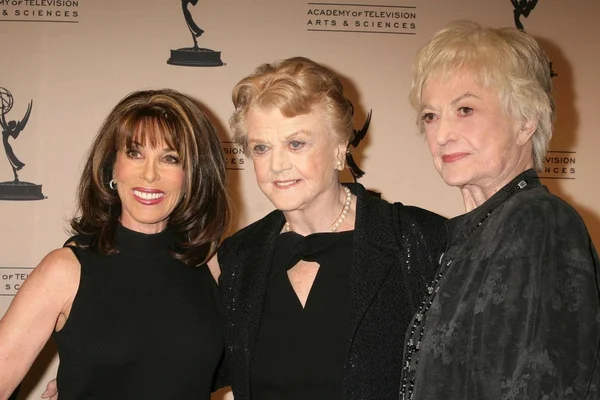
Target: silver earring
pixel 112 184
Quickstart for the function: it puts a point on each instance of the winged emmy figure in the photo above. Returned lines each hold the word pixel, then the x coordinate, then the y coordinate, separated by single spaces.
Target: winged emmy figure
pixel 13 129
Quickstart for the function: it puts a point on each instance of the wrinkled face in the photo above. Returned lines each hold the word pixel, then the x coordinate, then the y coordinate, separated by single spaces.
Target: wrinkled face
pixel 294 158
pixel 150 185
pixel 472 141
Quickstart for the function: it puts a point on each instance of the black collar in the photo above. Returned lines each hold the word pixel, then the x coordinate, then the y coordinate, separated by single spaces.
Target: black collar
pixel 462 226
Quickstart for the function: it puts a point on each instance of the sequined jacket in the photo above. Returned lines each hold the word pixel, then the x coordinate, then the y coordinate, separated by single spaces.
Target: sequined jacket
pixel 517 312
pixel 395 253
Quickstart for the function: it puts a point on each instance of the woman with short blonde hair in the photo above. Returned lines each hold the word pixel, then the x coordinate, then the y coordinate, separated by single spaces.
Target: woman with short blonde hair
pixel 513 309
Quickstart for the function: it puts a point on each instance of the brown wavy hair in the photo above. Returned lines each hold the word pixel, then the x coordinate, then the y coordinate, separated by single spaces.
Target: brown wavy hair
pixel 202 215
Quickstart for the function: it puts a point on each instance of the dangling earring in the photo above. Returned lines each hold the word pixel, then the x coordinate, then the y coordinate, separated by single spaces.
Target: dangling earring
pixel 339 166
pixel 112 184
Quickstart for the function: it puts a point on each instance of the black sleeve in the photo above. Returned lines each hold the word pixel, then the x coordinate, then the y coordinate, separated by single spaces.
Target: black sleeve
pixel 222 375
pixel 540 307
pixel 422 236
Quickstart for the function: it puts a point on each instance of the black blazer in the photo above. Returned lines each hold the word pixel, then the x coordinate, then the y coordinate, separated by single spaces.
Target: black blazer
pixel 395 253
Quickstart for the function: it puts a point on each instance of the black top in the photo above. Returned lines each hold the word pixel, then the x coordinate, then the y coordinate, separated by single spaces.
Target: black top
pixel 516 312
pixel 291 339
pixel 142 324
pixel 395 249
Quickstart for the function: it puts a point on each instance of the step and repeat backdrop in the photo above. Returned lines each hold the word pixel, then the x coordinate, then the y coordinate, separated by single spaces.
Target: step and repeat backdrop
pixel 65 63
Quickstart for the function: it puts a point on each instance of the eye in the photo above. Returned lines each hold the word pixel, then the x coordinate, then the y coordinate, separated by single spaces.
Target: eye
pixel 428 117
pixel 133 153
pixel 172 159
pixel 465 111
pixel 259 149
pixel 296 144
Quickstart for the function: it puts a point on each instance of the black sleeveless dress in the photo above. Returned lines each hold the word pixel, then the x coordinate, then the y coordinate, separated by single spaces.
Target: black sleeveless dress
pixel 142 326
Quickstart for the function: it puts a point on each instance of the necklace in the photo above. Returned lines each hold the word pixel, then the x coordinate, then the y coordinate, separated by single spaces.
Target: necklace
pixel 340 218
pixel 417 329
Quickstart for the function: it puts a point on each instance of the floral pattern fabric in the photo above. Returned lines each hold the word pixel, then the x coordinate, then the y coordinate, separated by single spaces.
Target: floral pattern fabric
pixel 517 312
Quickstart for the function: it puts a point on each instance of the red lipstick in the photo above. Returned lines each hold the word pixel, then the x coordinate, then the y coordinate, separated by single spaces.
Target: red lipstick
pixel 450 158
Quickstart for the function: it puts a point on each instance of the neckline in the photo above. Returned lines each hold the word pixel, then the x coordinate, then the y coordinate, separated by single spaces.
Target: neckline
pixel 143 245
pixel 467 223
pixel 356 189
pixel 460 228
pixel 291 247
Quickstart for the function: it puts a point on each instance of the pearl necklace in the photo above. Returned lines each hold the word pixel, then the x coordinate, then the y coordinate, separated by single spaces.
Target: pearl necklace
pixel 417 328
pixel 340 219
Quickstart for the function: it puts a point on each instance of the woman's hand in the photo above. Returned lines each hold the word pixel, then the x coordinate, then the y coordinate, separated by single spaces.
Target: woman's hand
pixel 51 391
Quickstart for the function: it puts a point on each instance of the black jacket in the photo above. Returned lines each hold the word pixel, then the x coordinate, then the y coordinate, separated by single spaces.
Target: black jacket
pixel 395 255
pixel 517 313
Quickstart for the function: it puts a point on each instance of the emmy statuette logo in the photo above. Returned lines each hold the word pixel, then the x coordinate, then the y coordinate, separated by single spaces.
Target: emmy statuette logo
pixel 522 8
pixel 15 189
pixel 194 56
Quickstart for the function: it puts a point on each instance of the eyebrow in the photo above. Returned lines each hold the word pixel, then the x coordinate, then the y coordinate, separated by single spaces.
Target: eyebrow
pixel 254 141
pixel 138 145
pixel 464 96
pixel 288 137
pixel 453 102
pixel 300 132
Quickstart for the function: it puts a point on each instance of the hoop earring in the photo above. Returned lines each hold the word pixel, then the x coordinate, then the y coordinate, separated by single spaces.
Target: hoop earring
pixel 112 184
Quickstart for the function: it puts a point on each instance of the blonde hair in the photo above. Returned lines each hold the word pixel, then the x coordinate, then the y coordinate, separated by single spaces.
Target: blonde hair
pixel 506 59
pixel 295 86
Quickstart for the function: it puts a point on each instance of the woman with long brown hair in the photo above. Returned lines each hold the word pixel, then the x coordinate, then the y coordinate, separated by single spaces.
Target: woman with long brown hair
pixel 129 299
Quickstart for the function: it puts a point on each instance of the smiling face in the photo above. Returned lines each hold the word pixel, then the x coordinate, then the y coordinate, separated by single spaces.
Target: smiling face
pixel 295 159
pixel 150 181
pixel 474 143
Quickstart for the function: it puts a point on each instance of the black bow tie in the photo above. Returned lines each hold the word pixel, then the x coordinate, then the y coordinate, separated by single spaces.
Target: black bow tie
pixel 292 247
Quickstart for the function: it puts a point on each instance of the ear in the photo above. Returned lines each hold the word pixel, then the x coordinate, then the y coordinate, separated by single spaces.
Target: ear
pixel 340 154
pixel 526 131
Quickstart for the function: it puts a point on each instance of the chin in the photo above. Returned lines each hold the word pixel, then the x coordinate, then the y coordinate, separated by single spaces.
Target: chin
pixel 282 205
pixel 454 178
pixel 151 218
pixel 282 201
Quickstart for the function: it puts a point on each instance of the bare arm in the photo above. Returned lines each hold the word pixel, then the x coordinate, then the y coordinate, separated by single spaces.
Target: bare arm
pixel 40 306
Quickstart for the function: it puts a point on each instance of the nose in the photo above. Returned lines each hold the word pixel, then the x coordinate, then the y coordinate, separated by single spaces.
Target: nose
pixel 445 130
pixel 280 159
pixel 150 171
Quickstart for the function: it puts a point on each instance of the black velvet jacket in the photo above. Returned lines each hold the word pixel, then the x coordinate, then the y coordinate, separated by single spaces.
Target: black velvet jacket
pixel 395 253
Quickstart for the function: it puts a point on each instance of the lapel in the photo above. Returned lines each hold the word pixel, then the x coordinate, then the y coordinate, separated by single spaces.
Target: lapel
pixel 374 254
pixel 256 256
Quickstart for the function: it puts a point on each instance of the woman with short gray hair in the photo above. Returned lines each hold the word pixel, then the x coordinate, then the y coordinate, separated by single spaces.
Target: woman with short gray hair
pixel 513 310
